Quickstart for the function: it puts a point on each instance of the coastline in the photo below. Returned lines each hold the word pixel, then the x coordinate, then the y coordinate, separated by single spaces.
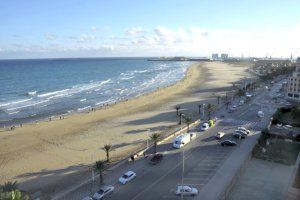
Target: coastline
pixel 75 142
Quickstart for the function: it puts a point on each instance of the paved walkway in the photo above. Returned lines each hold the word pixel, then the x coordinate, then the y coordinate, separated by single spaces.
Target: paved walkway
pixel 262 180
pixel 224 178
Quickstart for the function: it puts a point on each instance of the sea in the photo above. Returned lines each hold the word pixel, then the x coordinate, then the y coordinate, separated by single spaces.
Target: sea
pixel 37 89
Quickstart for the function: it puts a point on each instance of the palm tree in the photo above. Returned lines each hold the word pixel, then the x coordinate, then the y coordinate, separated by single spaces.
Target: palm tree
pixel 9 186
pixel 240 93
pixel 107 149
pixel 188 121
pixel 99 168
pixel 155 138
pixel 180 118
pixel 210 108
pixel 177 109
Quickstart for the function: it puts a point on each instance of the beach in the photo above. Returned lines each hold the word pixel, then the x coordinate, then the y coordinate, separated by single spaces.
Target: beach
pixel 41 155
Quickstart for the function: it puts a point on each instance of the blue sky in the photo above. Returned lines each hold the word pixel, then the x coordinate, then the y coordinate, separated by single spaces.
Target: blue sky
pixel 78 28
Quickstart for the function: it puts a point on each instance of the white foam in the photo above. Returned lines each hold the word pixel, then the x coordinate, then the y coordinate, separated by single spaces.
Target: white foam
pixel 15 102
pixel 12 113
pixel 27 105
pixel 32 93
pixel 84 108
pixel 82 100
pixel 53 93
pixel 104 102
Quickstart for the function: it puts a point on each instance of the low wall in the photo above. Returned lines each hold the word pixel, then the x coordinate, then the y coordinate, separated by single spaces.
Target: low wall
pixel 226 176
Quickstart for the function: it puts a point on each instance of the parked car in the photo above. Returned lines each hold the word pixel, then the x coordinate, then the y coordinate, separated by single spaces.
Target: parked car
pixel 233 108
pixel 103 192
pixel 241 102
pixel 244 129
pixel 239 135
pixel 204 126
pixel 128 176
pixel 260 114
pixel 186 190
pixel 228 143
pixel 156 159
pixel 220 135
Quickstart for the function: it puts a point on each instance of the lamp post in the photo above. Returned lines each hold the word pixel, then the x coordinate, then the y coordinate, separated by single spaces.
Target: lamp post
pixel 203 107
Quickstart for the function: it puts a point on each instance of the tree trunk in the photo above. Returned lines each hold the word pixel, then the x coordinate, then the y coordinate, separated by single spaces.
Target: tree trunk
pixel 107 156
pixel 155 145
pixel 180 115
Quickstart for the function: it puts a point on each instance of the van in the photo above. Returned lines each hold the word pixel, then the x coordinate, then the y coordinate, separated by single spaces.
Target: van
pixel 220 135
pixel 181 140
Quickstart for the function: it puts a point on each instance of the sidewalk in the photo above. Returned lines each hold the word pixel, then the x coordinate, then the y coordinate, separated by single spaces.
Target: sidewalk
pixel 221 183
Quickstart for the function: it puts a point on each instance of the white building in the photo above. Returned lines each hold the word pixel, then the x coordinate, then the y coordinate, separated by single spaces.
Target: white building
pixel 293 84
pixel 215 56
pixel 224 56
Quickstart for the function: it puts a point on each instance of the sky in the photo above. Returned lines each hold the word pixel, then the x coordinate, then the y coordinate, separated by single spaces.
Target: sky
pixel 138 28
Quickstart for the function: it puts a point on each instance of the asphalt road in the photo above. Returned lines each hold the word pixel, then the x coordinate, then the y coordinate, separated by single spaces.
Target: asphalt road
pixel 202 157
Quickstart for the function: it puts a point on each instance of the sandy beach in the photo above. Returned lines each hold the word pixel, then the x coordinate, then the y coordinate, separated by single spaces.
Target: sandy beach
pixel 41 155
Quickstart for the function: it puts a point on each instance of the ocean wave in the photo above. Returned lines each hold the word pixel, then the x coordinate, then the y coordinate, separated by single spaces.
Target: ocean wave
pixel 14 102
pixel 83 108
pixel 27 105
pixel 53 93
pixel 32 93
pixel 127 78
pixel 74 90
pixel 104 102
pixel 82 100
pixel 13 113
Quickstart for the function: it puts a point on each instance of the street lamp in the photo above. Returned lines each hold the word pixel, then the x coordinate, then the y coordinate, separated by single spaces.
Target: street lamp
pixel 203 106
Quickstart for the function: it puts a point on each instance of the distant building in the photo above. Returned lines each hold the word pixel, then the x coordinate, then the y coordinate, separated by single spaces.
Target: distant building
pixel 224 56
pixel 293 84
pixel 215 56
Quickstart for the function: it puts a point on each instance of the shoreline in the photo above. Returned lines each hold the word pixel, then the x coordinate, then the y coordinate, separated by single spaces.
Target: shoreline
pixel 84 110
pixel 72 144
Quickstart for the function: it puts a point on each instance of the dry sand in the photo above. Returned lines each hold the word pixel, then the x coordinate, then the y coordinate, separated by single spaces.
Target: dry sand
pixel 40 155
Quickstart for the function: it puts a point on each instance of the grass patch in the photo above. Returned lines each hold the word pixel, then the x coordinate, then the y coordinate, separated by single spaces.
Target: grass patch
pixel 278 151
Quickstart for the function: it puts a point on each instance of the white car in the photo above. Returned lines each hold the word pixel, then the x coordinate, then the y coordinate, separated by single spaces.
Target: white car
pixel 186 190
pixel 220 135
pixel 244 129
pixel 128 176
pixel 260 114
pixel 204 126
pixel 104 191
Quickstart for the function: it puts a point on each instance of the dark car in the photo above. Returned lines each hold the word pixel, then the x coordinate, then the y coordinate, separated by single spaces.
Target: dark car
pixel 228 143
pixel 156 159
pixel 240 135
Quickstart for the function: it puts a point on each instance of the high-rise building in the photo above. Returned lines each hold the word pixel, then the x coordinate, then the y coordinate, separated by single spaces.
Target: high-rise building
pixel 293 84
pixel 224 56
pixel 215 56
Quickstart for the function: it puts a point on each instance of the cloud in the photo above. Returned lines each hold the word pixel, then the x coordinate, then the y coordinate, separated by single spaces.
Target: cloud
pixel 50 36
pixel 187 41
pixel 135 31
pixel 93 28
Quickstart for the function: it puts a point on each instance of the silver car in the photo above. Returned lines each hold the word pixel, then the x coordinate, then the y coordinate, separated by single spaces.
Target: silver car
pixel 186 190
pixel 103 192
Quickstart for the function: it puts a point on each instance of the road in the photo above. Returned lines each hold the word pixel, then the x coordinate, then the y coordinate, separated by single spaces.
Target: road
pixel 202 157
